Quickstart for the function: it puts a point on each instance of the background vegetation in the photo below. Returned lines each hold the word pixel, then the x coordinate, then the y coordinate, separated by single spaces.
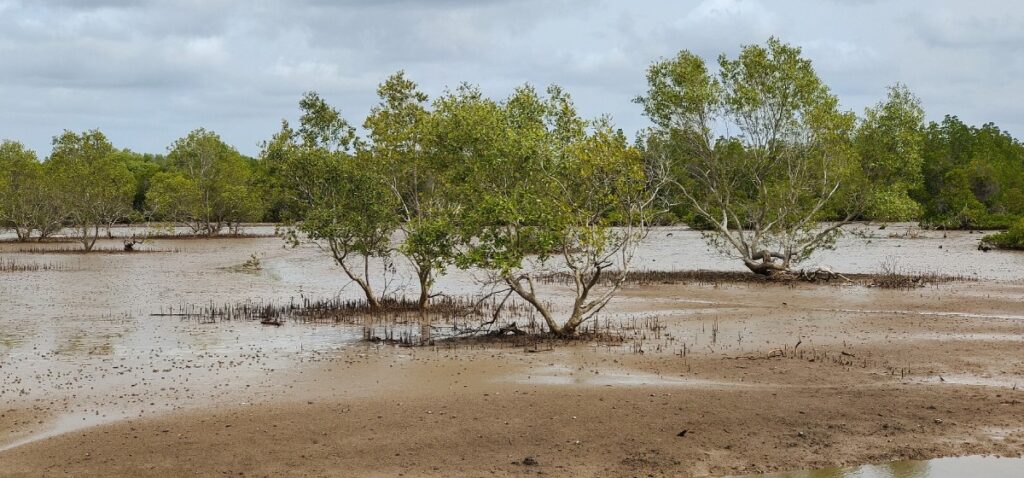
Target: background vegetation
pixel 755 149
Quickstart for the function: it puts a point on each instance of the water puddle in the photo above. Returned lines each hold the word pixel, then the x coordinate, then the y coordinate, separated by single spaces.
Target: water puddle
pixel 562 375
pixel 719 306
pixel 987 337
pixel 63 424
pixel 1011 382
pixel 963 315
pixel 957 467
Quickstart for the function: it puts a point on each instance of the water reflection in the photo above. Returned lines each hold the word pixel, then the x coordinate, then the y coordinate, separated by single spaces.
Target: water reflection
pixel 957 467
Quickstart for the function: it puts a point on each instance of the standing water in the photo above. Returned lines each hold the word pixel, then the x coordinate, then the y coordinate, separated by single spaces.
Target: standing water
pixel 87 341
pixel 957 467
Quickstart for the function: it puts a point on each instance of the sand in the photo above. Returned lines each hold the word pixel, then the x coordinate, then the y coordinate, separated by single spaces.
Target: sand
pixel 879 375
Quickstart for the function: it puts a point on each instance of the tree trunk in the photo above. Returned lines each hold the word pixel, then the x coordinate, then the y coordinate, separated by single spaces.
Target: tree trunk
pixel 759 268
pixel 363 283
pixel 575 320
pixel 763 263
pixel 339 255
pixel 23 233
pixel 88 242
pixel 424 276
pixel 528 296
pixel 371 300
pixel 46 230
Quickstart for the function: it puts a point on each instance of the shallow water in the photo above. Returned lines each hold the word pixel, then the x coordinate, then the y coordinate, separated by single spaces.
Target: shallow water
pixel 81 343
pixel 564 376
pixel 861 251
pixel 957 467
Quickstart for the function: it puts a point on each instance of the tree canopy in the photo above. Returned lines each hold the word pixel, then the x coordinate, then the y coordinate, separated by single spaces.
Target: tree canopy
pixel 341 203
pixel 95 189
pixel 550 191
pixel 209 186
pixel 972 176
pixel 890 142
pixel 25 204
pixel 758 150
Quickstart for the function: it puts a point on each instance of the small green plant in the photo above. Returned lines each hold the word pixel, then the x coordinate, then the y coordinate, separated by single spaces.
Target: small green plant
pixel 254 264
pixel 1013 238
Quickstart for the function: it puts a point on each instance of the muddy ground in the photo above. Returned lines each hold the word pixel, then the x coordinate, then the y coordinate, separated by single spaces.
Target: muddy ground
pixel 878 375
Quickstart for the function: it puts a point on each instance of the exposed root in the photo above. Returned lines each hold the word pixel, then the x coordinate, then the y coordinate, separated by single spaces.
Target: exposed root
pixel 10 265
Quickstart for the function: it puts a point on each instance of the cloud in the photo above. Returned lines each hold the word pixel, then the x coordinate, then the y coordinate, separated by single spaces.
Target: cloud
pixel 975 28
pixel 146 72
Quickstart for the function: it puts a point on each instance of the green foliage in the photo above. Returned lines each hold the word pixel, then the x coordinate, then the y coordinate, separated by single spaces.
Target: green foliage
pixel 95 188
pixel 540 183
pixel 760 151
pixel 512 211
pixel 172 197
pixel 86 183
pixel 143 167
pixel 973 177
pixel 340 200
pixel 25 201
pixel 217 181
pixel 272 179
pixel 889 141
pixel 891 204
pixel 349 209
pixel 322 126
pixel 401 134
pixel 1010 239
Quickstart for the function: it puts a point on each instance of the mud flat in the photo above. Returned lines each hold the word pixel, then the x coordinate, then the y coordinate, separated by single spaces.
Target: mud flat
pixel 710 379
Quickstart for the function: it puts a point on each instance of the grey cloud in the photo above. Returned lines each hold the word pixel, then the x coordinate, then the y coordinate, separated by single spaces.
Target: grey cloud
pixel 146 72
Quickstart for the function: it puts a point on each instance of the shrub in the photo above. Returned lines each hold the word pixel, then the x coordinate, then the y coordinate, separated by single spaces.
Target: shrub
pixel 1010 239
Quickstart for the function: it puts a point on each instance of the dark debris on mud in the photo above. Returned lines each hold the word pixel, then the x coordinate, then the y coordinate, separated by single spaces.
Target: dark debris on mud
pixel 712 277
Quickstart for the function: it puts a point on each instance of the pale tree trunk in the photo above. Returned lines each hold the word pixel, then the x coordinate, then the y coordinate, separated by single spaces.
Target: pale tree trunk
pixel 423 273
pixel 763 263
pixel 587 270
pixel 424 276
pixel 528 294
pixel 580 307
pixel 23 233
pixel 213 228
pixel 90 242
pixel 363 282
pixel 371 299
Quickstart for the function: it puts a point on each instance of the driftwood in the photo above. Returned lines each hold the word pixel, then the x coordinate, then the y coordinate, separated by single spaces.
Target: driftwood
pixel 511 329
pixel 130 243
pixel 821 273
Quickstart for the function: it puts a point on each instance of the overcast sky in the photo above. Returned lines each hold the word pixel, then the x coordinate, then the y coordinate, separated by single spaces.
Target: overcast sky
pixel 147 72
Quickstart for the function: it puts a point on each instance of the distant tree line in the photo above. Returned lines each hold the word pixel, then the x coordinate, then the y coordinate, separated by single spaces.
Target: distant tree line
pixel 89 185
pixel 944 174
